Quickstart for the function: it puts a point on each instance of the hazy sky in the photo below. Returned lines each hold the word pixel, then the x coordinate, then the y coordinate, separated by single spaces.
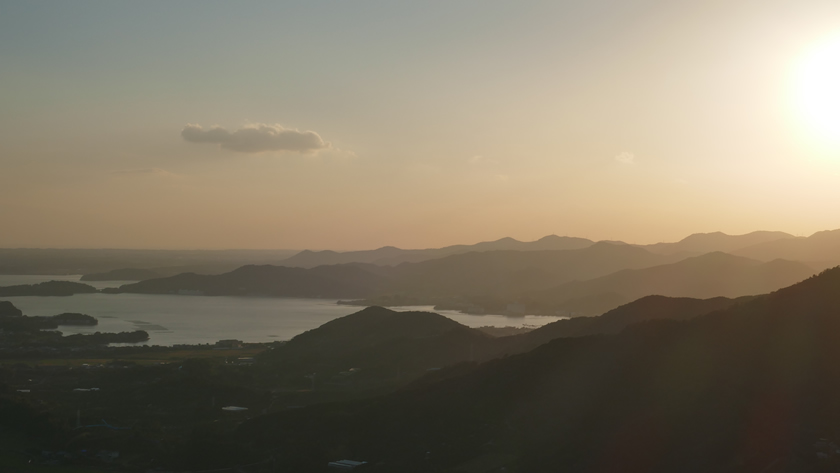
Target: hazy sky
pixel 354 124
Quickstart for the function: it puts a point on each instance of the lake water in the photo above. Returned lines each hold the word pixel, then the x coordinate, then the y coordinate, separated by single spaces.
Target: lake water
pixel 172 320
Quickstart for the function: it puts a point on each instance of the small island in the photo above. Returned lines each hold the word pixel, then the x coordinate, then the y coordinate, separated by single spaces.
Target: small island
pixel 71 318
pixel 19 339
pixel 124 274
pixel 104 338
pixel 20 331
pixel 12 319
pixel 49 288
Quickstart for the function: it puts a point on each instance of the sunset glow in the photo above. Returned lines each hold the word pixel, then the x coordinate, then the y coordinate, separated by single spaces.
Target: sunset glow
pixel 436 236
pixel 356 125
pixel 818 90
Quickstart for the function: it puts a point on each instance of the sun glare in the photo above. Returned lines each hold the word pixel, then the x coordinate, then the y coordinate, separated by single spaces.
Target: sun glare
pixel 818 90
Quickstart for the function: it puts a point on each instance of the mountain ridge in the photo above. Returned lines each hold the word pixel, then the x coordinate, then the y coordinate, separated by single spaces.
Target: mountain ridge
pixel 700 243
pixel 821 250
pixel 692 245
pixel 391 256
pixel 701 277
pixel 473 273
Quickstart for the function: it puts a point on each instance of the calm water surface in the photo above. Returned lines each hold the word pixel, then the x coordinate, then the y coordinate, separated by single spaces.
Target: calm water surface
pixel 172 320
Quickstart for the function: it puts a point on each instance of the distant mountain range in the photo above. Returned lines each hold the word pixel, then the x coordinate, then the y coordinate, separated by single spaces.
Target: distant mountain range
pixel 391 256
pixel 332 282
pixel 587 281
pixel 551 276
pixel 701 243
pixel 820 250
pixel 511 272
pixel 711 275
pixel 496 273
pixel 692 245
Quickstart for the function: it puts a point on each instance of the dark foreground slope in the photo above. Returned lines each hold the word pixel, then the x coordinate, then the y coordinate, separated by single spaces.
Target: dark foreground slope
pixel 751 388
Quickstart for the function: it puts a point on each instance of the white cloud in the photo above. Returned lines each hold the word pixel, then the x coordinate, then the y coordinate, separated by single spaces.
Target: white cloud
pixel 256 138
pixel 626 157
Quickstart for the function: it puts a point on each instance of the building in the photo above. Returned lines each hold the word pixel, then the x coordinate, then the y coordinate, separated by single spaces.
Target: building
pixel 345 465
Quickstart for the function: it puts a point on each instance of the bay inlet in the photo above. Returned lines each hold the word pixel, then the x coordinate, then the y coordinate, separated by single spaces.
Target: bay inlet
pixel 174 319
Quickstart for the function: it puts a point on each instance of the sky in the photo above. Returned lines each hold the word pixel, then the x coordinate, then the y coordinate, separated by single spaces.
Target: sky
pixel 355 124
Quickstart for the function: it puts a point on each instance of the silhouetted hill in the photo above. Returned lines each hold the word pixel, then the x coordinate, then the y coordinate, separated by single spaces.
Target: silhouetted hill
pixel 710 275
pixel 701 243
pixel 641 310
pixel 390 256
pixel 820 250
pixel 751 388
pixel 49 288
pixel 376 340
pixel 7 309
pixel 379 337
pixel 276 281
pixel 125 274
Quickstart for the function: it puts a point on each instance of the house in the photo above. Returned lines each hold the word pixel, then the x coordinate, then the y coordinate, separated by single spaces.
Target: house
pixel 234 408
pixel 345 465
pixel 222 344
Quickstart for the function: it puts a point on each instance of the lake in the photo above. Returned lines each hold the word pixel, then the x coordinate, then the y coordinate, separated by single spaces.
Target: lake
pixel 172 320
